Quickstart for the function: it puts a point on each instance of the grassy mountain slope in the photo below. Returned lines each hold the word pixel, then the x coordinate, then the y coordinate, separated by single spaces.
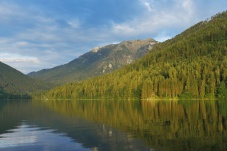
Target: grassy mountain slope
pixel 97 62
pixel 14 84
pixel 191 65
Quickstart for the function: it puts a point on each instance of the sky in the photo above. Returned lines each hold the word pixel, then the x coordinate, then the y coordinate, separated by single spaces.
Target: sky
pixel 41 34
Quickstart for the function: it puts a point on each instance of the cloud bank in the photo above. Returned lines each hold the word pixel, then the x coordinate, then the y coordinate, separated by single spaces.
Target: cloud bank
pixel 43 34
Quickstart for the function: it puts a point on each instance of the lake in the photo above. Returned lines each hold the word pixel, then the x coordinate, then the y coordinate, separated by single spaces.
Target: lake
pixel 95 125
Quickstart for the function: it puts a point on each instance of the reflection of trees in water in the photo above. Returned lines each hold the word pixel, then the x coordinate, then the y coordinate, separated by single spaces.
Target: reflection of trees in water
pixel 98 136
pixel 189 124
pixel 198 118
pixel 8 118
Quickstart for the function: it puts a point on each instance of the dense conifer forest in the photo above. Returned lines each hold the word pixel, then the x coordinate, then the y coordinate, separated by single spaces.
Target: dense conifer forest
pixel 191 65
pixel 14 84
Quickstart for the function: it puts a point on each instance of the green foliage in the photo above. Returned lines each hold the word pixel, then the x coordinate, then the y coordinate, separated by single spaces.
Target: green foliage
pixel 14 84
pixel 191 65
pixel 222 91
pixel 185 95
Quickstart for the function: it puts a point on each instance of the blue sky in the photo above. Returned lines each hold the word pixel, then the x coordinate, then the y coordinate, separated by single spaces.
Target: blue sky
pixel 39 34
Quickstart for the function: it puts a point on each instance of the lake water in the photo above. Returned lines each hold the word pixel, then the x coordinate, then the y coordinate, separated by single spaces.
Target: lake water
pixel 94 125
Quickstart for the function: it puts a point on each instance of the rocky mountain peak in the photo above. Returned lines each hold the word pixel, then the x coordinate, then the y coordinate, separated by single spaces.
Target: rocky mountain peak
pixel 99 60
pixel 96 49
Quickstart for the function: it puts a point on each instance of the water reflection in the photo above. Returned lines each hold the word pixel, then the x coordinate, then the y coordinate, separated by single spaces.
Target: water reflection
pixel 163 125
pixel 27 125
pixel 113 125
pixel 25 137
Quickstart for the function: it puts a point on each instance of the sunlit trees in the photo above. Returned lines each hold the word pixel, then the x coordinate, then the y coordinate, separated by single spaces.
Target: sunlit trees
pixel 191 65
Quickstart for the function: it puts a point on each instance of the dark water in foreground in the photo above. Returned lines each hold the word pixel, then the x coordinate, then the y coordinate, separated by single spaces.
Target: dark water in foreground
pixel 113 125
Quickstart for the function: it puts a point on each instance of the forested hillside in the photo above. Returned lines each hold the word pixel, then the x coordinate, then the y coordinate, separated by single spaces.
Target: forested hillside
pixel 191 65
pixel 14 84
pixel 98 61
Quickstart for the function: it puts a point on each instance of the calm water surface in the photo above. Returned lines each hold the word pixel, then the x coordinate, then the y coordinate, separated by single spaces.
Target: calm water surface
pixel 113 125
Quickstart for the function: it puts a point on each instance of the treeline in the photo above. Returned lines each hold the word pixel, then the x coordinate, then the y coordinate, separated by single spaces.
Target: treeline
pixel 6 96
pixel 191 65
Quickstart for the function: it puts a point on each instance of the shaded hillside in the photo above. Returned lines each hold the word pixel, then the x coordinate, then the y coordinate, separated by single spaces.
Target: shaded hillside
pixel 14 84
pixel 191 65
pixel 98 61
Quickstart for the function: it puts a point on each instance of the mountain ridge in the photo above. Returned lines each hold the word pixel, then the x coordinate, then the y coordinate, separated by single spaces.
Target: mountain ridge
pixel 98 61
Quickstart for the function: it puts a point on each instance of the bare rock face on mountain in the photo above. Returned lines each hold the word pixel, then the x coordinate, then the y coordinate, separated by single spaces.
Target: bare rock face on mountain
pixel 98 61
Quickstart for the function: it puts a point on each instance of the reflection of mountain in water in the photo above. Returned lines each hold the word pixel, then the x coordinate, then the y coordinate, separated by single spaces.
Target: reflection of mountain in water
pixel 164 125
pixel 68 129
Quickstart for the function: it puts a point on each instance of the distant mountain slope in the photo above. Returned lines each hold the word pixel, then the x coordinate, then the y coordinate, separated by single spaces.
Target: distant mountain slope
pixel 98 61
pixel 191 65
pixel 14 84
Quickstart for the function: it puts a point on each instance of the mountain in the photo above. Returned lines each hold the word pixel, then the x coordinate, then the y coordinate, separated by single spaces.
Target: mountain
pixel 191 65
pixel 98 61
pixel 14 84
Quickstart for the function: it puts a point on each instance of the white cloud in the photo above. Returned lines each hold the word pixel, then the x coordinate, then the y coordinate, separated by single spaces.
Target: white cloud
pixel 20 62
pixel 125 28
pixel 147 4
pixel 188 9
pixel 7 10
pixel 17 58
pixel 179 14
pixel 42 45
pixel 22 44
pixel 74 23
pixel 162 36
